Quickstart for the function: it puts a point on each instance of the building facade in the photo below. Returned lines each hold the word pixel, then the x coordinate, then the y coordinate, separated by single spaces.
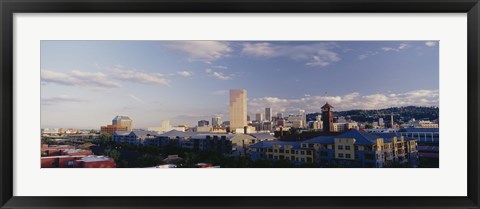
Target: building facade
pixel 350 149
pixel 327 118
pixel 238 108
pixel 123 121
pixel 268 114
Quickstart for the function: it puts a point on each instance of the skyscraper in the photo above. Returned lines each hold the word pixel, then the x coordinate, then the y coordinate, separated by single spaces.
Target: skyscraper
pixel 123 121
pixel 304 118
pixel 327 117
pixel 268 114
pixel 238 108
pixel 259 117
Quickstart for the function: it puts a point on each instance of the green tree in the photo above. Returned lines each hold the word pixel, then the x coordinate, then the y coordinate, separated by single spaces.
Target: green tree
pixel 112 153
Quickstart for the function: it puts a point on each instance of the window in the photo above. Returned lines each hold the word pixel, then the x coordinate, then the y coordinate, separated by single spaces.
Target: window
pixel 302 152
pixel 275 157
pixel 270 156
pixel 309 159
pixel 347 147
pixel 309 152
pixel 310 145
pixel 287 151
pixel 270 150
pixel 340 155
pixel 303 159
pixel 347 155
pixel 304 145
pixel 340 147
pixel 275 150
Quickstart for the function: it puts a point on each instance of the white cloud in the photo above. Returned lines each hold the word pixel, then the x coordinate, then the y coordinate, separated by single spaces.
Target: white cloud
pixel 367 54
pixel 139 77
pixel 323 58
pixel 315 55
pixel 78 78
pixel 61 99
pixel 218 75
pixel 431 43
pixel 401 47
pixel 349 101
pixel 185 73
pixel 260 49
pixel 220 67
pixel 206 51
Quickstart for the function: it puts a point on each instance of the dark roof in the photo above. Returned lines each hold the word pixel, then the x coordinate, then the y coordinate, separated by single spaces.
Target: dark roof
pixel 262 136
pixel 176 133
pixel 269 144
pixel 145 133
pixel 361 138
pixel 327 105
pixel 419 130
pixel 387 137
pixel 321 140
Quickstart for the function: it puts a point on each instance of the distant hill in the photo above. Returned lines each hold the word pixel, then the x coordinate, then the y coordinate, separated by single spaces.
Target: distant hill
pixel 404 114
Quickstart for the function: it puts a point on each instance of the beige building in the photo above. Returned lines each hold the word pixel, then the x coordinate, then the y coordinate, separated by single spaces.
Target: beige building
pixel 123 122
pixel 238 108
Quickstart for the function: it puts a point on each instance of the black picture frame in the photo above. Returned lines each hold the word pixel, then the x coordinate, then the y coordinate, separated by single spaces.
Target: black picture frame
pixel 9 7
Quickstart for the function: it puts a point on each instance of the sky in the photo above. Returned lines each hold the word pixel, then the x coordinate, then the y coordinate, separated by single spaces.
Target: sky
pixel 85 84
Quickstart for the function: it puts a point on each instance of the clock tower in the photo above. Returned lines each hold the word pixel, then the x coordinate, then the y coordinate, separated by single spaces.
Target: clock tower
pixel 327 117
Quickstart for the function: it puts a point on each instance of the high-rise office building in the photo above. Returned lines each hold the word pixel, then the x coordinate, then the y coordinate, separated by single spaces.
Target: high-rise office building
pixel 304 118
pixel 259 117
pixel 268 114
pixel 123 121
pixel 238 108
pixel 216 121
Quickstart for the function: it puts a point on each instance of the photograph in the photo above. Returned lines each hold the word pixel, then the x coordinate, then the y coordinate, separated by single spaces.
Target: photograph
pixel 239 104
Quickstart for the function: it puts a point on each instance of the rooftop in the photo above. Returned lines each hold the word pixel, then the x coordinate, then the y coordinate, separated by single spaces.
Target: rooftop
pixel 262 136
pixel 360 137
pixel 122 117
pixel 327 105
pixel 270 144
pixel 94 158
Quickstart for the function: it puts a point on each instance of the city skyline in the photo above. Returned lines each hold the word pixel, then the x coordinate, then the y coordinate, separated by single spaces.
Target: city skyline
pixel 187 81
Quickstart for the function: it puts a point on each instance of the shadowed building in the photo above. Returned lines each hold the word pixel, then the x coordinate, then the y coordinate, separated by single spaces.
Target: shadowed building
pixel 327 117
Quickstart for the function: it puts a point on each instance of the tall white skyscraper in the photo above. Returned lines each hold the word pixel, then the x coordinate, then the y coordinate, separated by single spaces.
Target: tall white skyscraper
pixel 268 114
pixel 238 108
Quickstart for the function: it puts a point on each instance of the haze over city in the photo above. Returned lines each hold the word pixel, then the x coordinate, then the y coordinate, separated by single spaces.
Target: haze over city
pixel 86 83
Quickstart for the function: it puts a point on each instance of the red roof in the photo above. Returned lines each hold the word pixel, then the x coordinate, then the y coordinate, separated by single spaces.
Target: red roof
pixel 327 106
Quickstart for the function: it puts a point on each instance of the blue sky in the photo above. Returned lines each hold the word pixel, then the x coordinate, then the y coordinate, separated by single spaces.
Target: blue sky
pixel 86 83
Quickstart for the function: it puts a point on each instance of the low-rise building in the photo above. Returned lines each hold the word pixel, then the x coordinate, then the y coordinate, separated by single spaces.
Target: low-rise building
pixel 110 129
pixel 84 161
pixel 354 148
pixel 133 137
